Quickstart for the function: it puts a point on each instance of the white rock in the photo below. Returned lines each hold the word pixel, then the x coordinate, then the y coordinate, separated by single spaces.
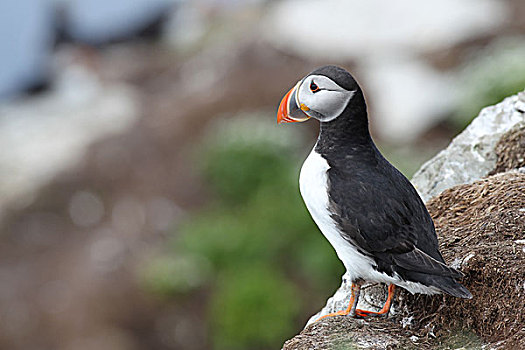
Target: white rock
pixel 470 156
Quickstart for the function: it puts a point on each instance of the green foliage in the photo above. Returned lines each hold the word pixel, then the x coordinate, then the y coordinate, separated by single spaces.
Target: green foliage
pixel 166 275
pixel 262 247
pixel 495 73
pixel 236 171
pixel 244 156
pixel 252 307
pixel 318 263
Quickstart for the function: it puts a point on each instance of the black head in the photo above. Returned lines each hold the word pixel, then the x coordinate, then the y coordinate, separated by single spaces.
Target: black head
pixel 339 75
pixel 331 95
pixel 324 94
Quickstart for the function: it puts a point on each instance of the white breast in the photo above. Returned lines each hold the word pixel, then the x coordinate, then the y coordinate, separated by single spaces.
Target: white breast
pixel 313 183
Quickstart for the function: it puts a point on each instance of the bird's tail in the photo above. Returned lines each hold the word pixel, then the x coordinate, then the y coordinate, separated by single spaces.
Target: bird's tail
pixel 446 284
pixel 452 287
pixel 431 272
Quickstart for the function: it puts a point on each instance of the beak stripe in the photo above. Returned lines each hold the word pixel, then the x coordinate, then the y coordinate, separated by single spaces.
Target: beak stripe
pixel 285 115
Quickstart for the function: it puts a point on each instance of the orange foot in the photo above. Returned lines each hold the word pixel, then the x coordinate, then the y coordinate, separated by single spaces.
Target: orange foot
pixel 359 313
pixel 351 310
pixel 384 311
pixel 366 313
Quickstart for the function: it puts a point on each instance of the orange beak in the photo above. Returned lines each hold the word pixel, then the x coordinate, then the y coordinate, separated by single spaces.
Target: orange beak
pixel 289 111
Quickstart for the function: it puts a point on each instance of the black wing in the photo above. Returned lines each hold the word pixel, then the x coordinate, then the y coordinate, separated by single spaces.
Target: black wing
pixel 378 210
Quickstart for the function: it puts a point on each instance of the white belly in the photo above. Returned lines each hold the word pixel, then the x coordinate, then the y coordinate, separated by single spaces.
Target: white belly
pixel 314 190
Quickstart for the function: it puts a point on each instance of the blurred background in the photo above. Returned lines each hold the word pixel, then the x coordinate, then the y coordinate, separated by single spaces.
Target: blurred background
pixel 148 200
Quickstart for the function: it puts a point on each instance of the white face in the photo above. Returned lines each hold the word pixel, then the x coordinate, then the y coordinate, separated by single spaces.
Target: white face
pixel 321 98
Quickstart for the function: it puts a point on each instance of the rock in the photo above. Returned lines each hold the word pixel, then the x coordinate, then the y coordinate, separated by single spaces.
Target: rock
pixel 480 223
pixel 347 333
pixel 471 155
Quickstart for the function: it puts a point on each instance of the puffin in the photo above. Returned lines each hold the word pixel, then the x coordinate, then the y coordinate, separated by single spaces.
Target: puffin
pixel 367 209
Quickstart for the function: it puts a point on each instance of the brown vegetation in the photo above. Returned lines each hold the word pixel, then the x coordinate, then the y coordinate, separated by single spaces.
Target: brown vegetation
pixel 510 150
pixel 483 224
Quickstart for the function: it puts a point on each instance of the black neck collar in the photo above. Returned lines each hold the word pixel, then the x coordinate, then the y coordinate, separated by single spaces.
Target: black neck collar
pixel 347 134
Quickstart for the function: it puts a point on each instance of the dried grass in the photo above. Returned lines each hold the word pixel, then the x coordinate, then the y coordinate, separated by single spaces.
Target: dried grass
pixel 482 224
pixel 510 150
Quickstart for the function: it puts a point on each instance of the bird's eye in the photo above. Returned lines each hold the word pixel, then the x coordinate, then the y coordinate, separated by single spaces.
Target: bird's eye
pixel 313 87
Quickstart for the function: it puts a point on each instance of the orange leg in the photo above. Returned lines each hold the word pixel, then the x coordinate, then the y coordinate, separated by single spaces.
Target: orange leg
pixel 351 310
pixel 386 308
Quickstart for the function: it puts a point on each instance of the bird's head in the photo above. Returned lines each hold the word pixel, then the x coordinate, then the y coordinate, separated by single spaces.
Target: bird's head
pixel 323 94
